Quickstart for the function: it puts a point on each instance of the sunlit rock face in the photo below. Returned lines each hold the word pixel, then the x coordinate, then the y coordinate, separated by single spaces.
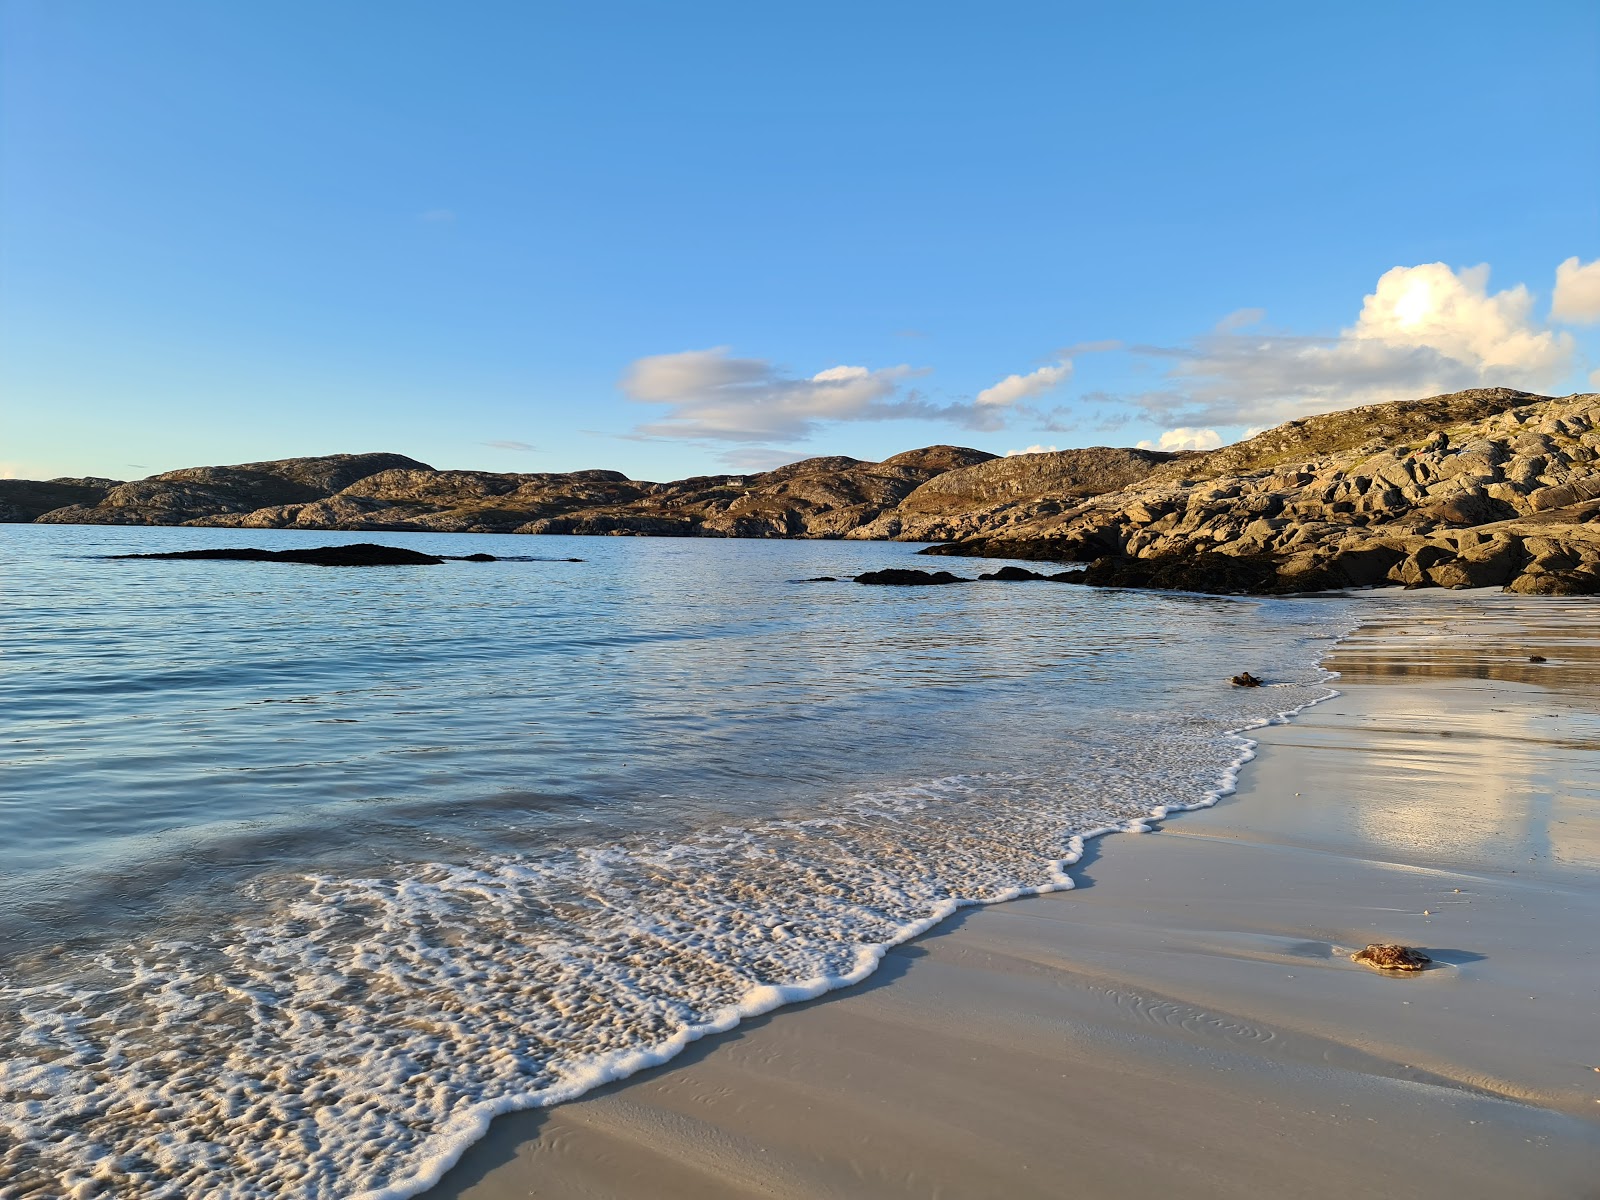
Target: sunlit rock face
pixel 1488 488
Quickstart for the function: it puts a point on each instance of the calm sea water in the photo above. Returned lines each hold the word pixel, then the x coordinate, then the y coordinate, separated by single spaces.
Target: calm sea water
pixel 305 872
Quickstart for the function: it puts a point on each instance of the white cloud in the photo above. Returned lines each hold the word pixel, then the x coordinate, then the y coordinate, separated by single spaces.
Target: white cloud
pixel 1019 387
pixel 1423 330
pixel 508 444
pixel 1433 307
pixel 1031 450
pixel 1184 438
pixel 715 397
pixel 1577 296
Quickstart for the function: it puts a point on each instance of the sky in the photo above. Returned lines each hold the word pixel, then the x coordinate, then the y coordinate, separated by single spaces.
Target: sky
pixel 709 237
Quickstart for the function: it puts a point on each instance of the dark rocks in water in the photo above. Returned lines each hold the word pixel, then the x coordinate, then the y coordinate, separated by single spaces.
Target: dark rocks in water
pixel 900 577
pixel 1013 575
pixel 1537 658
pixel 1197 572
pixel 474 558
pixel 362 554
pixel 820 579
pixel 1388 957
pixel 1245 679
pixel 1023 575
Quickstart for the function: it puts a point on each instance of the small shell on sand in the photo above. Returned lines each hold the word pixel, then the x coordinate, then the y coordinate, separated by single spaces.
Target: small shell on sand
pixel 1392 958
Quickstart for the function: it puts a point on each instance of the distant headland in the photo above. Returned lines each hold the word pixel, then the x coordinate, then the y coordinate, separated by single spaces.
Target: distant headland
pixel 1485 488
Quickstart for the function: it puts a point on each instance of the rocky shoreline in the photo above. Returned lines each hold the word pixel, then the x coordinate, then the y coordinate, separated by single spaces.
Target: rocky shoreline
pixel 1484 488
pixel 1508 497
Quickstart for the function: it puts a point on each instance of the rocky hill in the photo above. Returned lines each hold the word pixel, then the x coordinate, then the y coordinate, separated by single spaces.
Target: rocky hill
pixel 819 497
pixel 1487 487
pixel 193 494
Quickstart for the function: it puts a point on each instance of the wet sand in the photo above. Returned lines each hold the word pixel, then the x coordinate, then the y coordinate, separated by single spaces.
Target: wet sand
pixel 1188 1021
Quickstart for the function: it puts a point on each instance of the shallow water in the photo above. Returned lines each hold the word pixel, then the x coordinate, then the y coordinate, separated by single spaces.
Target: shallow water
pixel 306 872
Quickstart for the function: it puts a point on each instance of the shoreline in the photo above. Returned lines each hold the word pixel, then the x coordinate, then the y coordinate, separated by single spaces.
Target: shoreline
pixel 685 1127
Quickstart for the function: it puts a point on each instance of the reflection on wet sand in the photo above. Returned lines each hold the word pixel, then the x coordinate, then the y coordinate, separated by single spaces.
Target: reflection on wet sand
pixel 1520 773
pixel 1478 636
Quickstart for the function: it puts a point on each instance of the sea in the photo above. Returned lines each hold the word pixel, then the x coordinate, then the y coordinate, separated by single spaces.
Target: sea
pixel 306 873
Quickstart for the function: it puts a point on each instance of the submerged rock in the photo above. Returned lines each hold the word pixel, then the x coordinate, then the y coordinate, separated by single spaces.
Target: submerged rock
pixel 362 554
pixel 1388 957
pixel 1245 679
pixel 900 577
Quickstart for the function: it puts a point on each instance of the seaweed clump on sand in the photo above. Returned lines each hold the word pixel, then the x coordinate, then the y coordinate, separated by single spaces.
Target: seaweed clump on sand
pixel 1388 957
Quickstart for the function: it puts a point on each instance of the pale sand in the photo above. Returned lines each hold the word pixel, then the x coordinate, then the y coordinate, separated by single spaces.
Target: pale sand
pixel 1188 1023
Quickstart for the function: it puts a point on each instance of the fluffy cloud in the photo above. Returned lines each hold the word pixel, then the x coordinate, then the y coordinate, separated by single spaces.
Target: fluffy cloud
pixel 712 396
pixel 1577 296
pixel 1424 329
pixel 1019 387
pixel 1031 450
pixel 1184 438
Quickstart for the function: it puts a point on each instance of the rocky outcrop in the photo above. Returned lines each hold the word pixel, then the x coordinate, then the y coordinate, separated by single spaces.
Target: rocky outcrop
pixel 989 496
pixel 30 499
pixel 816 498
pixel 1490 488
pixel 196 494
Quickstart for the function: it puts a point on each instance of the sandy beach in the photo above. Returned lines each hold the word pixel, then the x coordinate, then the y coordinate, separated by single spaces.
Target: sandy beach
pixel 1188 1022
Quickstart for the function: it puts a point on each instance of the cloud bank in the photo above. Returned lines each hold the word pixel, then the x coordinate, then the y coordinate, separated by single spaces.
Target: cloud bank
pixel 712 396
pixel 1423 330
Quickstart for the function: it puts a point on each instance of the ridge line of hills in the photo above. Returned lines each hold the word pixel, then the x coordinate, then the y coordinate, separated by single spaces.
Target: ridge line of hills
pixel 1489 487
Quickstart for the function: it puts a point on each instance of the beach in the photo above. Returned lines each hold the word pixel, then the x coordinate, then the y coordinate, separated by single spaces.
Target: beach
pixel 1187 1021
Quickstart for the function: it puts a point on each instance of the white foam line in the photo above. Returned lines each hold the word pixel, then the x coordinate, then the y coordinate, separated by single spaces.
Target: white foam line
pixel 619 1065
pixel 1247 751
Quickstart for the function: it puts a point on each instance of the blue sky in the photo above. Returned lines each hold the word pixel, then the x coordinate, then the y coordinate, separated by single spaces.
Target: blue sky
pixel 675 239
